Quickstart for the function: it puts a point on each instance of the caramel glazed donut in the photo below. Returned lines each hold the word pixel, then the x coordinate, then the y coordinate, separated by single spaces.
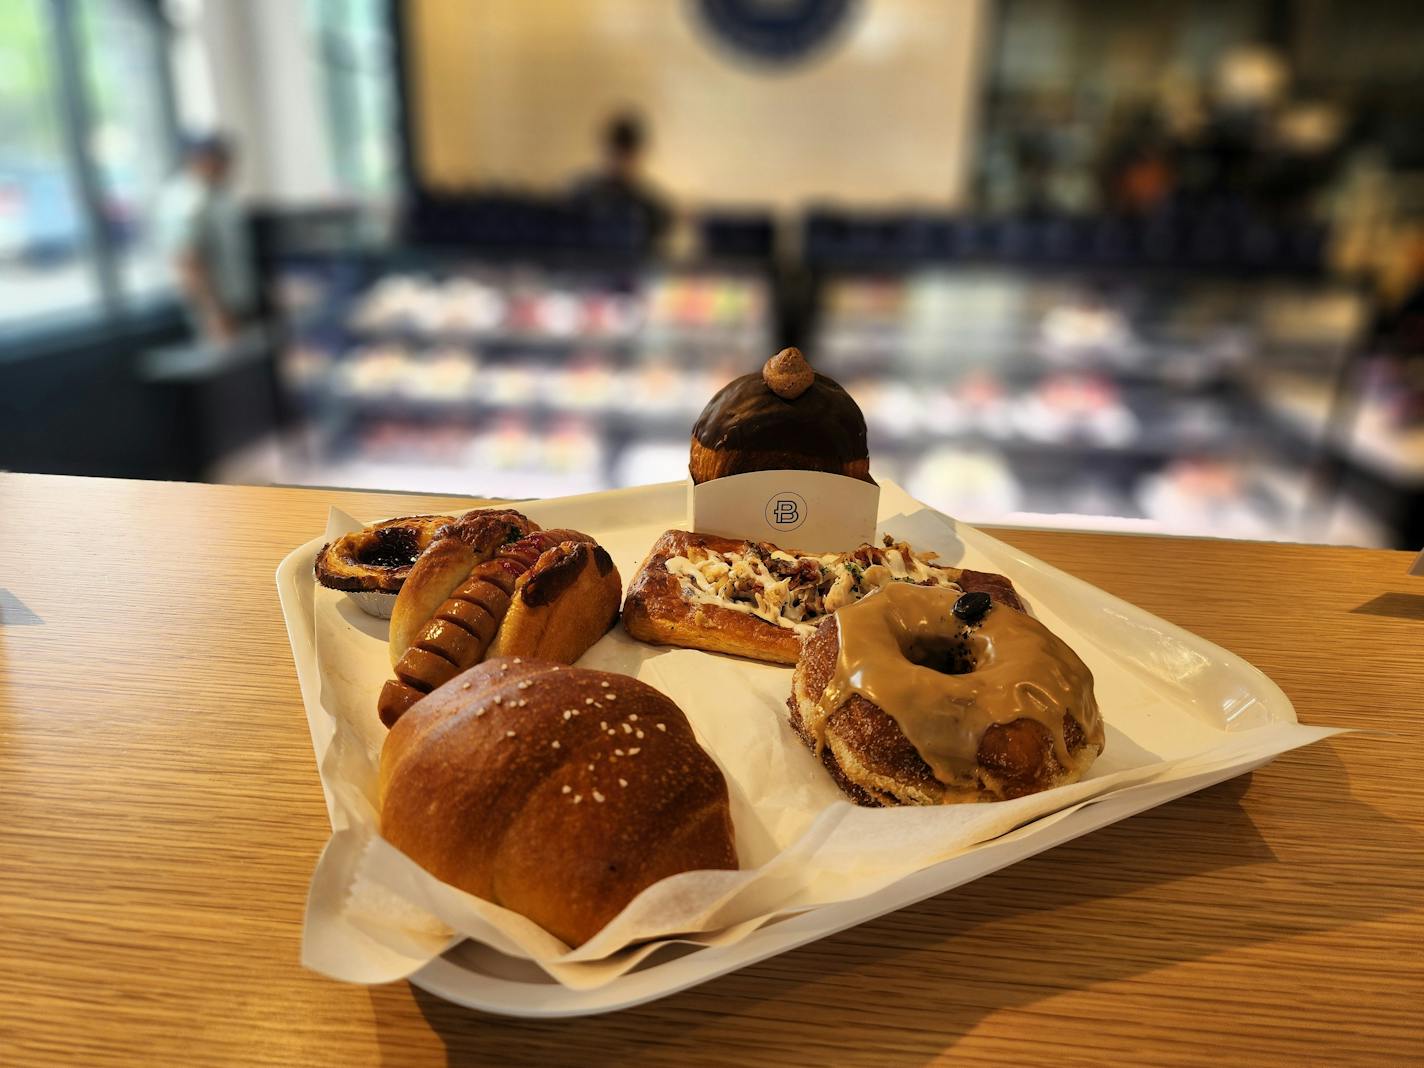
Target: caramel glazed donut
pixel 919 695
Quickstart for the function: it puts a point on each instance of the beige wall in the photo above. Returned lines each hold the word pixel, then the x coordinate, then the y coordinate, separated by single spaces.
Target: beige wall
pixel 515 90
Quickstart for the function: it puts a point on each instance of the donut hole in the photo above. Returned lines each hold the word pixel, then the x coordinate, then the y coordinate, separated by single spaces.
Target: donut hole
pixel 948 656
pixel 389 547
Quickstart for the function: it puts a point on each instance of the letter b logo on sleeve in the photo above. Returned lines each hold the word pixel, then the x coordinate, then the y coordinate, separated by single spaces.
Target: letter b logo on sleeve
pixel 776 506
pixel 786 510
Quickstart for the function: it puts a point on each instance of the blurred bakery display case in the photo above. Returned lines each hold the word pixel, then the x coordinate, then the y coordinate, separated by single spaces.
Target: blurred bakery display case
pixel 1154 302
pixel 436 371
pixel 1102 396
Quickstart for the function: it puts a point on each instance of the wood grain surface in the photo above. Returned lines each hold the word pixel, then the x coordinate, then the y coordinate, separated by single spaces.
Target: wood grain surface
pixel 160 815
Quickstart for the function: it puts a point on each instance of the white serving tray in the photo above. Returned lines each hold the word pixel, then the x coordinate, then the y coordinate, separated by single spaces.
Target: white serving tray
pixel 1207 681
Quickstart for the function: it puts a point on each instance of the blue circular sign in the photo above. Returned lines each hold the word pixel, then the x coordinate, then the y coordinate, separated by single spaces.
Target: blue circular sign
pixel 775 31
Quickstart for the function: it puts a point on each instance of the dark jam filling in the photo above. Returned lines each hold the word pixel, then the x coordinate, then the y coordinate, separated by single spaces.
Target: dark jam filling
pixel 948 656
pixel 391 547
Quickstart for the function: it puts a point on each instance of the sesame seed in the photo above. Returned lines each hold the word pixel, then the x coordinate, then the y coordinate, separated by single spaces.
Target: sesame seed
pixel 637 734
pixel 622 782
pixel 597 796
pixel 662 727
pixel 567 713
pixel 499 700
pixel 632 717
pixel 464 685
pixel 555 743
pixel 590 767
pixel 603 724
pixel 578 798
pixel 479 712
pixel 611 696
pixel 627 729
pixel 522 684
pixel 588 700
pixel 522 702
pixel 617 752
pixel 604 684
pixel 612 731
pixel 509 734
pixel 517 660
pixel 634 751
pixel 567 789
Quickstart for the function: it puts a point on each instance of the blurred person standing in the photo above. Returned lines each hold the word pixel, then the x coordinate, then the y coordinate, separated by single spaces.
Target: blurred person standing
pixel 203 230
pixel 618 188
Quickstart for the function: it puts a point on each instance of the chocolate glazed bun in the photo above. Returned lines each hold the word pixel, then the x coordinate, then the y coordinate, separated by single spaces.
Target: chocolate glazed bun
pixel 784 417
pixel 557 792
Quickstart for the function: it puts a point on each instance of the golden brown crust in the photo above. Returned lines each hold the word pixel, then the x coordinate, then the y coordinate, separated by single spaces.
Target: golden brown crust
pixel 445 564
pixel 396 699
pixel 705 464
pixel 656 611
pixel 380 557
pixel 874 763
pixel 563 583
pixel 557 792
pixel 562 605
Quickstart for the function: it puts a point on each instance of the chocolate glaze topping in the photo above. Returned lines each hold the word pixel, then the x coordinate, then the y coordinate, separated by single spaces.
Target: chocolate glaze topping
pixel 823 421
pixel 547 584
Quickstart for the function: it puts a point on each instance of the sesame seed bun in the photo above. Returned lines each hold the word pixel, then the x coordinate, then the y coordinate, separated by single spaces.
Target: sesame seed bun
pixel 558 792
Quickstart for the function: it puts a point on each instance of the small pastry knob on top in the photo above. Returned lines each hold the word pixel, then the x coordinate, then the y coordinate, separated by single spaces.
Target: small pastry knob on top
pixel 785 417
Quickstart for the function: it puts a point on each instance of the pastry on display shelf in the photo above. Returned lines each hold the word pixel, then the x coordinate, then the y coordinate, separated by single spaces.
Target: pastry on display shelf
pixel 511 384
pixel 1070 407
pixel 972 483
pixel 892 410
pixel 371 371
pixel 986 403
pixel 469 308
pixel 447 373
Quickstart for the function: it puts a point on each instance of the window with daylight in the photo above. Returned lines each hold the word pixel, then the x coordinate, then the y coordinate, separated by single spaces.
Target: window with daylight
pixel 356 60
pixel 86 138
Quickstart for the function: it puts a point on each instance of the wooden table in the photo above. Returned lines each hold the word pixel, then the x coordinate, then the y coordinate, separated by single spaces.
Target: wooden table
pixel 160 815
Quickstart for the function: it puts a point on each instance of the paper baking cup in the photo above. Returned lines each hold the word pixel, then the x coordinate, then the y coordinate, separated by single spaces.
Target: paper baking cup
pixel 376 603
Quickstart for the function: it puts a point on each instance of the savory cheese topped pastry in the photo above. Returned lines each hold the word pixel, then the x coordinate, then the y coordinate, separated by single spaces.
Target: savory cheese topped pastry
pixel 793 590
pixel 754 599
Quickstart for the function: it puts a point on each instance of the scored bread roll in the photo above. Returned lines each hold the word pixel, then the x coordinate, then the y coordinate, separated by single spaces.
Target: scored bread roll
pixel 557 792
pixel 447 563
pixel 572 600
pixel 541 622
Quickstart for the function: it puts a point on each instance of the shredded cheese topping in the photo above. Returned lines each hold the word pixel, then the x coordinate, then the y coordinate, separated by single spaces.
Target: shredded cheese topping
pixel 797 592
